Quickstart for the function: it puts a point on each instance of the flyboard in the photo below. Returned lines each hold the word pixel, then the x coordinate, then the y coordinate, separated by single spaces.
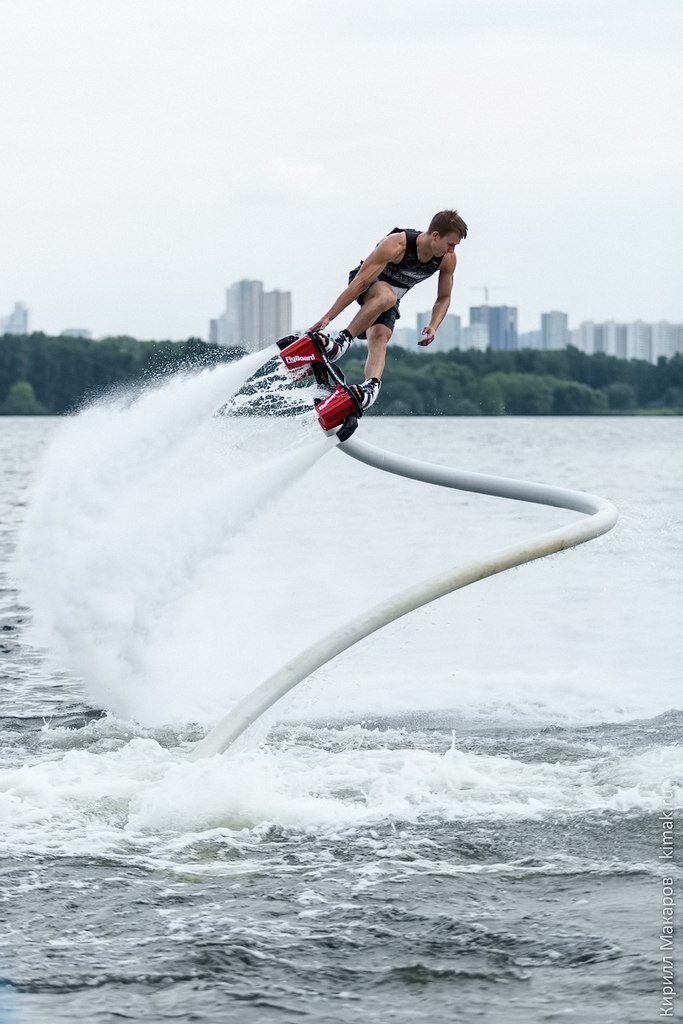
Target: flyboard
pixel 338 414
pixel 304 355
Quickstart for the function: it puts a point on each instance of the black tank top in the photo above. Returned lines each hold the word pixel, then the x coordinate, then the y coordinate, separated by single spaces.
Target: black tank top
pixel 410 271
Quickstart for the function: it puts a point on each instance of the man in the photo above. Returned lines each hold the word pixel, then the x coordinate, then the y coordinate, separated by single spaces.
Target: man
pixel 400 261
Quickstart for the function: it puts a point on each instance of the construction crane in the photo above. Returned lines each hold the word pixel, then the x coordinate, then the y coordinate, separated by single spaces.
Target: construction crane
pixel 486 289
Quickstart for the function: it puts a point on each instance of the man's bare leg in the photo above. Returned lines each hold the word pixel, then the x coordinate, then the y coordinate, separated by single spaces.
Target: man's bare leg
pixel 377 300
pixel 378 338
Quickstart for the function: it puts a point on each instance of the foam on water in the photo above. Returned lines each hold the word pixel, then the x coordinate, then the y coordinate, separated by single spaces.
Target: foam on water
pixel 137 507
pixel 106 803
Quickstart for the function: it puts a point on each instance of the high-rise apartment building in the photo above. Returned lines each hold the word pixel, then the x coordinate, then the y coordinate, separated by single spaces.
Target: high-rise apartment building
pixel 583 336
pixel 501 322
pixel 667 340
pixel 639 341
pixel 405 337
pixel 610 338
pixel 244 301
pixel 16 322
pixel 253 318
pixel 448 334
pixel 475 336
pixel 276 315
pixel 554 331
pixel 422 321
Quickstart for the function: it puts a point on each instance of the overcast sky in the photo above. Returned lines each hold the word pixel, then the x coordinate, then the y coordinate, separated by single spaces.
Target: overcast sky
pixel 152 152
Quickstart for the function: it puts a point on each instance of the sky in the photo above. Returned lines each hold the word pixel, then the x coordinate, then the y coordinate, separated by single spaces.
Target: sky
pixel 153 152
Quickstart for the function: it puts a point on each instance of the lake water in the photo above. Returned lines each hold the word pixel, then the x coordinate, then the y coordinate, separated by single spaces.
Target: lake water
pixel 459 819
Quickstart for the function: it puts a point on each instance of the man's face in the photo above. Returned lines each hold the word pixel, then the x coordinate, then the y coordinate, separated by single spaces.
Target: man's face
pixel 441 244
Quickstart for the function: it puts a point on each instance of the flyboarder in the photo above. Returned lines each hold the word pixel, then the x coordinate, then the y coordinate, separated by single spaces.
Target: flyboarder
pixel 400 261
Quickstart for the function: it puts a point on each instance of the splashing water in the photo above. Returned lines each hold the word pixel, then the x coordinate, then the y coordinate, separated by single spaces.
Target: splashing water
pixel 137 507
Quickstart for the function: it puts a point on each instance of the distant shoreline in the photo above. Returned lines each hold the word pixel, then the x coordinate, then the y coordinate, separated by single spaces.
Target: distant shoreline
pixel 53 376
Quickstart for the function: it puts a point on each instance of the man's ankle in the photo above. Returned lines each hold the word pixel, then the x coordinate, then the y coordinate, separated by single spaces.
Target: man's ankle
pixel 368 391
pixel 337 344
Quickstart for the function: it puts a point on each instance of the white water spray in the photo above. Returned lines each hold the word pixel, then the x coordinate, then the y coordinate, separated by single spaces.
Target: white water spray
pixel 125 556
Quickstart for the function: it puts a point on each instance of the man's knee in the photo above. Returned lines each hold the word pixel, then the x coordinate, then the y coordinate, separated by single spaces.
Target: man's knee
pixel 388 299
pixel 378 335
pixel 381 296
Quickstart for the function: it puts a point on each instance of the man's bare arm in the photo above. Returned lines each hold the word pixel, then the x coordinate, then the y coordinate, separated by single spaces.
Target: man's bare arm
pixel 443 299
pixel 390 250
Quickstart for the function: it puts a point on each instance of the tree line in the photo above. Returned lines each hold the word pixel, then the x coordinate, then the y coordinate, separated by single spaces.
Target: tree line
pixel 527 382
pixel 45 375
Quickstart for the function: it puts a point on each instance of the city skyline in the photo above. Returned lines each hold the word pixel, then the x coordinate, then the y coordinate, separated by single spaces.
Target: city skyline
pixel 635 340
pixel 254 317
pixel 412 307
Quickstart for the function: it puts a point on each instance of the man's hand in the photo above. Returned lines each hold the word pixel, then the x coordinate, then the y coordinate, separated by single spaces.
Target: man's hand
pixel 320 324
pixel 428 335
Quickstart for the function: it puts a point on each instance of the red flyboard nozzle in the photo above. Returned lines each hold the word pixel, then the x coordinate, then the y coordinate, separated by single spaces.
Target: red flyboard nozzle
pixel 300 356
pixel 337 407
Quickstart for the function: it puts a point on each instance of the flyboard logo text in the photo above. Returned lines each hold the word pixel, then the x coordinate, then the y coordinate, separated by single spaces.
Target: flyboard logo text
pixel 300 359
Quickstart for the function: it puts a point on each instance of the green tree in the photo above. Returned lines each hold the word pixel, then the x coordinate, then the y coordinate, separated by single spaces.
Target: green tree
pixel 465 407
pixel 489 397
pixel 525 394
pixel 673 398
pixel 572 399
pixel 22 401
pixel 403 397
pixel 620 395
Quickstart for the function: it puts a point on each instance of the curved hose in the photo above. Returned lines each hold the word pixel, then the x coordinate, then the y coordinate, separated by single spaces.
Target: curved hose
pixel 601 517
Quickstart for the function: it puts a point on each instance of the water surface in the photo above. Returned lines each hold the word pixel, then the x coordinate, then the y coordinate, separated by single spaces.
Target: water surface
pixel 458 819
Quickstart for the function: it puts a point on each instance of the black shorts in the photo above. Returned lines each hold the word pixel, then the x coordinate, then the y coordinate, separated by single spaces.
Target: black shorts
pixel 388 318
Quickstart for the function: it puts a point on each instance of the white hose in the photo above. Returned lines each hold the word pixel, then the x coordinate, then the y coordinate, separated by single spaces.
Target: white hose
pixel 601 517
